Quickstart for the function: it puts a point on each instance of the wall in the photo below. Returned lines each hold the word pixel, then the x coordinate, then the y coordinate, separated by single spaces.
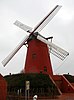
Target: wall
pixel 3 88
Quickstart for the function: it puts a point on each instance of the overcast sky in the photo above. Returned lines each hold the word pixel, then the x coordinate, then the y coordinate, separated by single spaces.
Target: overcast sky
pixel 30 12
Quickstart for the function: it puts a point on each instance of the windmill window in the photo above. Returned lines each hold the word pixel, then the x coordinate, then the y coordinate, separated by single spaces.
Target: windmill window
pixel 33 55
pixel 40 71
pixel 45 69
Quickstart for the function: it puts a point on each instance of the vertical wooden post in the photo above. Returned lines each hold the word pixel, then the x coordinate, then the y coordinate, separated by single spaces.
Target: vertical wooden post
pixel 27 90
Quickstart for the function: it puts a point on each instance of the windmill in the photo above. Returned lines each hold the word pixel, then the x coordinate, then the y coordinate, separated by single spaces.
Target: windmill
pixel 38 47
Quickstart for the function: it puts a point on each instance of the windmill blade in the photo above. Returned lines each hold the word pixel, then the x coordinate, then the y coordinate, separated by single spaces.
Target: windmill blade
pixel 22 26
pixel 9 57
pixel 56 53
pixel 61 52
pixel 46 19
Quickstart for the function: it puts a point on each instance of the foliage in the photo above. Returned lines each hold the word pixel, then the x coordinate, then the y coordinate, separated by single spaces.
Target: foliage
pixel 38 82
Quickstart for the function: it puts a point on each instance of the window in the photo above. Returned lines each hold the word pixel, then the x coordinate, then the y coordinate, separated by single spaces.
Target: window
pixel 40 71
pixel 45 69
pixel 33 55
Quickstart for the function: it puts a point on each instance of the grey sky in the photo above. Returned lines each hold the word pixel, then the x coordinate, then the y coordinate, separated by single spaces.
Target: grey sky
pixel 30 12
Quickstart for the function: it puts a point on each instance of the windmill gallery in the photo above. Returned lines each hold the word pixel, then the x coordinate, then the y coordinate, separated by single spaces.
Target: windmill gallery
pixel 38 68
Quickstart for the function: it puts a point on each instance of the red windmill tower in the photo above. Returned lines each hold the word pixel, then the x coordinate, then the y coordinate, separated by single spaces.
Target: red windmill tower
pixel 38 47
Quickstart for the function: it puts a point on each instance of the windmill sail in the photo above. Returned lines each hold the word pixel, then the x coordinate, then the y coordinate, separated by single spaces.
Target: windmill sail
pixel 56 53
pixel 61 53
pixel 9 57
pixel 42 23
pixel 22 26
pixel 46 19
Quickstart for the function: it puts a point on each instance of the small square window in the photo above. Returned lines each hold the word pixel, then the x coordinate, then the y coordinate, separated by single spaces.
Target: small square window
pixel 33 55
pixel 45 69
